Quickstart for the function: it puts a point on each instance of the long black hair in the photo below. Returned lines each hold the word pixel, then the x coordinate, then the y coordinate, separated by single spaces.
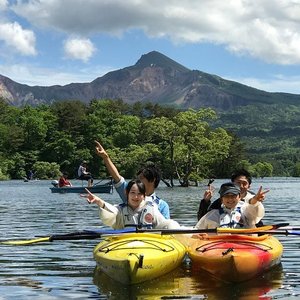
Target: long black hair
pixel 140 185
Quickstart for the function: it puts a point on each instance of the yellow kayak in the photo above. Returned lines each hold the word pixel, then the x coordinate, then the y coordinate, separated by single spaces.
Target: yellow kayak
pixel 138 257
pixel 235 258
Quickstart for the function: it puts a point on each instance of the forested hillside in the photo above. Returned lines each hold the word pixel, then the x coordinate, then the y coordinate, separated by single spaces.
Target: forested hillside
pixel 187 145
pixel 269 132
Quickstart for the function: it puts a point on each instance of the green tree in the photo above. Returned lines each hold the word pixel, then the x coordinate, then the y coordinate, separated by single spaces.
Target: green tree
pixel 163 132
pixel 296 172
pixel 46 170
pixel 189 146
pixel 198 146
pixel 125 131
pixel 262 169
pixel 34 128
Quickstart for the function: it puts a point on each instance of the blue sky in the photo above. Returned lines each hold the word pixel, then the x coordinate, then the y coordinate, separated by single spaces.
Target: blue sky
pixel 47 42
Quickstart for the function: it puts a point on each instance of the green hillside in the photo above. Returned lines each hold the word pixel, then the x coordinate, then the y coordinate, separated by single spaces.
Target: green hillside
pixel 269 132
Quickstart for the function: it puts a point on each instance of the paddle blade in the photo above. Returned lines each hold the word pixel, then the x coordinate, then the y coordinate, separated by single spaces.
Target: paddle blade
pixel 252 230
pixel 279 225
pixel 293 232
pixel 25 242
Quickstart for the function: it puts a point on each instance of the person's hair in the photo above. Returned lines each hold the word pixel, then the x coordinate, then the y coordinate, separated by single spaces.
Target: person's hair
pixel 151 173
pixel 65 173
pixel 140 185
pixel 241 172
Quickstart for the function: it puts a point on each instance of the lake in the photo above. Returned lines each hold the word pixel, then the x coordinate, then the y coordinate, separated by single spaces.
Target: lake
pixel 66 269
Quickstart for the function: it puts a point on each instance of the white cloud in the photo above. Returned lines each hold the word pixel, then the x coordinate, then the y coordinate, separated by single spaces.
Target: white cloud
pixel 277 83
pixel 3 5
pixel 27 74
pixel 81 49
pixel 265 29
pixel 21 40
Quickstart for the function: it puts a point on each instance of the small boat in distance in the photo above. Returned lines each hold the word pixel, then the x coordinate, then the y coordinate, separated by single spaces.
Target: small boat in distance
pixel 98 188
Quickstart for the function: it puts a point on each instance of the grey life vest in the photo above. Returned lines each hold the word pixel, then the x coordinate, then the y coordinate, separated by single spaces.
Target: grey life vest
pixel 143 219
pixel 233 219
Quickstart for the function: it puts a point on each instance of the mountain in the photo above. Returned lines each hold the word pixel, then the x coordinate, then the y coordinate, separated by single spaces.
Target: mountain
pixel 154 78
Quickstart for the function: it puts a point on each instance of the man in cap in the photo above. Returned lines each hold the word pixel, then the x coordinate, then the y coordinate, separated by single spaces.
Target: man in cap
pixel 240 177
pixel 234 213
pixel 83 174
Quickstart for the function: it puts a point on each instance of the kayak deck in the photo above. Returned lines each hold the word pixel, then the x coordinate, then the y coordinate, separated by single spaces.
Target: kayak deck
pixel 235 258
pixel 138 257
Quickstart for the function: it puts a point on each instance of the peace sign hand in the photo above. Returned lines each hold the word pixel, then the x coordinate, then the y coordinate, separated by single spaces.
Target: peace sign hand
pixel 260 196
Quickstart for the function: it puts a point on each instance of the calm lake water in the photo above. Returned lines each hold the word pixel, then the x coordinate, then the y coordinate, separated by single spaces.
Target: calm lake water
pixel 66 269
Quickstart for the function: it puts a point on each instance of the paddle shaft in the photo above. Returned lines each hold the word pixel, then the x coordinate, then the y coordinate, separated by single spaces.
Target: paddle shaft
pixel 66 237
pixel 215 230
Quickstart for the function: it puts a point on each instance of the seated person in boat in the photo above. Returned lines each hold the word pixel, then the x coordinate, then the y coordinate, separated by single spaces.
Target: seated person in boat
pixel 148 174
pixel 233 212
pixel 83 174
pixel 63 180
pixel 136 212
pixel 240 177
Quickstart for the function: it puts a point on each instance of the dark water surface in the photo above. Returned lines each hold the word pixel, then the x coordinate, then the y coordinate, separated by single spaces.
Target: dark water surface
pixel 66 269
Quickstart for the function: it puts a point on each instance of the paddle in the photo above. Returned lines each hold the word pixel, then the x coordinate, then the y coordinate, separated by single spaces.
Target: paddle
pixel 265 228
pixel 79 235
pixel 93 234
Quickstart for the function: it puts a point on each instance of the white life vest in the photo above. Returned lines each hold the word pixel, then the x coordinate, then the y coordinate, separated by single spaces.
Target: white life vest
pixel 143 219
pixel 231 219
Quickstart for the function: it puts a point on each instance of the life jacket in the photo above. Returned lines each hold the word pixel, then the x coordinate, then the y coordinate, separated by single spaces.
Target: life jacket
pixel 144 219
pixel 153 198
pixel 233 219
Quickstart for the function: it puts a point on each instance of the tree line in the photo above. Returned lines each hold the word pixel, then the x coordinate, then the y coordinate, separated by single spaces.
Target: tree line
pixel 49 139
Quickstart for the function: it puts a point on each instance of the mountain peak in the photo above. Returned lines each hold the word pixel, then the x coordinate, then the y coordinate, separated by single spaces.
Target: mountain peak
pixel 157 59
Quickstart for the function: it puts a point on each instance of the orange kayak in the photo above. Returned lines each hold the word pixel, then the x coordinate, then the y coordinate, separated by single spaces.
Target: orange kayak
pixel 234 258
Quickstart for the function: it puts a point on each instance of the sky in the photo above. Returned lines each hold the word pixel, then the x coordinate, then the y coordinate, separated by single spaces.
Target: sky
pixel 49 42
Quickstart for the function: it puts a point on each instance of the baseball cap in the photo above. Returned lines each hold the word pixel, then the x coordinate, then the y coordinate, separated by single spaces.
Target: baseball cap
pixel 229 188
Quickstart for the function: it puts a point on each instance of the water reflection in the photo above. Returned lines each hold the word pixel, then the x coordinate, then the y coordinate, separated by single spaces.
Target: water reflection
pixel 186 283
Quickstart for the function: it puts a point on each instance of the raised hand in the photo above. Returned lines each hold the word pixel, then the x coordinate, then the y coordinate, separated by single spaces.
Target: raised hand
pixel 260 196
pixel 100 150
pixel 91 198
pixel 208 193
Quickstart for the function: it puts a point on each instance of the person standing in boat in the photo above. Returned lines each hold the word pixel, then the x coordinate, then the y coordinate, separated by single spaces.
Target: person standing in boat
pixel 136 212
pixel 83 174
pixel 240 177
pixel 63 180
pixel 233 212
pixel 149 175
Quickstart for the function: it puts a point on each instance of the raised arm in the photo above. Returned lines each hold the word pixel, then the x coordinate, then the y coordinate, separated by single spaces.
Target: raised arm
pixel 111 168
